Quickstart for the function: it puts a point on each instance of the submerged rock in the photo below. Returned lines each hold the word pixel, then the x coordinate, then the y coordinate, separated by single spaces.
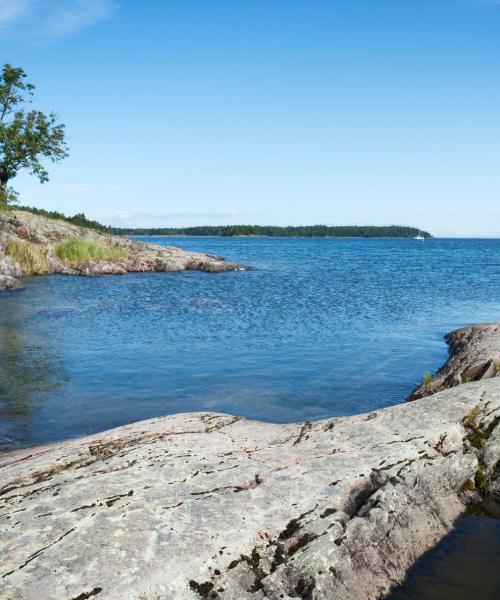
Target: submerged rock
pixel 9 283
pixel 474 355
pixel 40 235
pixel 214 506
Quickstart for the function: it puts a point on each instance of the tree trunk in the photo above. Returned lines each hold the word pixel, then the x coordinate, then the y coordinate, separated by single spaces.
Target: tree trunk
pixel 4 196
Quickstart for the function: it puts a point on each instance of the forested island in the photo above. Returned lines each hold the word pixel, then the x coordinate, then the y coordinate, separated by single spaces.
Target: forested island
pixel 368 231
pixel 393 231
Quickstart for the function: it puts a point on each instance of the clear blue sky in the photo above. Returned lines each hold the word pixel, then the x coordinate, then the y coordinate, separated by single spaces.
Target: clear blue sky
pixel 268 111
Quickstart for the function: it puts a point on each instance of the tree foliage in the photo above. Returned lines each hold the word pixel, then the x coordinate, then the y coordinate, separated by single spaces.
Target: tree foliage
pixel 393 231
pixel 26 136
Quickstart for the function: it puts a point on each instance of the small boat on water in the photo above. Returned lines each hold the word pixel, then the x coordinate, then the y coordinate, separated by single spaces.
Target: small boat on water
pixel 420 236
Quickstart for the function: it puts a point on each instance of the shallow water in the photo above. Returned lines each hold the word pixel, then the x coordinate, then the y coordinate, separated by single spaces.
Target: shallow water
pixel 322 327
pixel 463 566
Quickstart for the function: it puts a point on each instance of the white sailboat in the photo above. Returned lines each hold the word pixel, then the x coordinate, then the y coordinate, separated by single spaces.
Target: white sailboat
pixel 420 236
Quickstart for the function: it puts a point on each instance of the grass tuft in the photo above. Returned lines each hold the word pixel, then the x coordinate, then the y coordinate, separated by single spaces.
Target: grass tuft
pixel 427 379
pixel 31 257
pixel 77 250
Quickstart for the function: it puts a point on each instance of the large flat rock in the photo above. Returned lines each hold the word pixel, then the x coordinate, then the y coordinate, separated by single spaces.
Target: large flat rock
pixel 214 506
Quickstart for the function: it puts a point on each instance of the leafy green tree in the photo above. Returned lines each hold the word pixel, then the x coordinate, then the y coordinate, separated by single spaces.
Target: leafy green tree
pixel 26 136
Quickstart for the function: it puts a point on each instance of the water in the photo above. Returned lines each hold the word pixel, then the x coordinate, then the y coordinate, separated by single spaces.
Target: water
pixel 463 566
pixel 322 327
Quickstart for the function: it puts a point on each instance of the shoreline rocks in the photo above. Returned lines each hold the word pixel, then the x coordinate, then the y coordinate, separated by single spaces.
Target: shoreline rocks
pixel 474 355
pixel 7 282
pixel 44 233
pixel 212 506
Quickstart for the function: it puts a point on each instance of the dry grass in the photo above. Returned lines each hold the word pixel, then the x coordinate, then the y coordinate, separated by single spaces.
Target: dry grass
pixel 31 257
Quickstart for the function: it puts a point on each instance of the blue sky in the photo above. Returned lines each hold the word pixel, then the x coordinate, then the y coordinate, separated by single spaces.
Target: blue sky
pixel 268 111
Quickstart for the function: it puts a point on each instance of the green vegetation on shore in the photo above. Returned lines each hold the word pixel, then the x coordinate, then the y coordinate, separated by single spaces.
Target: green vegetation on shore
pixel 79 219
pixel 78 250
pixel 31 257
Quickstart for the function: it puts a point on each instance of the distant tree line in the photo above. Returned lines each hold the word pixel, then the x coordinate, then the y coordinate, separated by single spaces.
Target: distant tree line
pixel 79 219
pixel 393 231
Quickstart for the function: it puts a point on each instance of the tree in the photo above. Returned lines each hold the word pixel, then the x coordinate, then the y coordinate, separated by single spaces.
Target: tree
pixel 26 136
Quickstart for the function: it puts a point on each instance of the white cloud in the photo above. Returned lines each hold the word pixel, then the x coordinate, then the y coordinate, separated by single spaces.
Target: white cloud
pixel 72 16
pixel 12 10
pixel 49 20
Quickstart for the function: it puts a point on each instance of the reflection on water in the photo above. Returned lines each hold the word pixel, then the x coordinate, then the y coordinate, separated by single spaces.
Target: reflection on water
pixel 322 327
pixel 465 565
pixel 30 369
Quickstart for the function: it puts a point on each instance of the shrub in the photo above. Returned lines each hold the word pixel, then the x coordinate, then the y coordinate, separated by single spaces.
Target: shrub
pixel 31 257
pixel 77 250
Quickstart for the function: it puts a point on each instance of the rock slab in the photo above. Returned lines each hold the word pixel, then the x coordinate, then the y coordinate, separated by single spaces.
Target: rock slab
pixel 215 506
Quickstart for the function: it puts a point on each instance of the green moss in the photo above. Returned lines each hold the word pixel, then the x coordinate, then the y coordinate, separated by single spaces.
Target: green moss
pixel 476 436
pixel 77 250
pixel 31 257
pixel 473 415
pixel 477 439
pixel 480 478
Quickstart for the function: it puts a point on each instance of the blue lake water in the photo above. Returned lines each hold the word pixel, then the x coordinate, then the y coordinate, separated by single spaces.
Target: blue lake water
pixel 321 327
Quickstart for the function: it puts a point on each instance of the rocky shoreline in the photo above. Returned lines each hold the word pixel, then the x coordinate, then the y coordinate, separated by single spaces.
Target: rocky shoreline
pixel 214 506
pixel 474 356
pixel 29 230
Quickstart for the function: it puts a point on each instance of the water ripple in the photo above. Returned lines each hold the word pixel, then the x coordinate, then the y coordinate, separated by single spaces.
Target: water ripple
pixel 322 327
